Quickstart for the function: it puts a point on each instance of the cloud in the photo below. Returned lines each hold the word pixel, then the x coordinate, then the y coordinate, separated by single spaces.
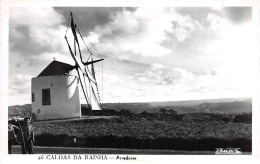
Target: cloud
pixel 36 30
pixel 142 32
pixel 19 79
pixel 238 15
pixel 89 17
pixel 19 89
pixel 49 57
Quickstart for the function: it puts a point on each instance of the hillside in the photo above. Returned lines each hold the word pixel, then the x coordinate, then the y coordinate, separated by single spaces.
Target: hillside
pixel 19 110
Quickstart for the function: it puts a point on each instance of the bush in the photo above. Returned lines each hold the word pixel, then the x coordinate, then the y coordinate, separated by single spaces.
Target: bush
pixel 243 118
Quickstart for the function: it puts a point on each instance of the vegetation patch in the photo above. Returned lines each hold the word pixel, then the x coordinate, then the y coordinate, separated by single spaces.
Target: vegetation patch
pixel 193 131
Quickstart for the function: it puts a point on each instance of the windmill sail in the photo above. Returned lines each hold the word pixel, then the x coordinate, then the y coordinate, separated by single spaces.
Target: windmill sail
pixel 94 93
pixel 94 102
pixel 90 88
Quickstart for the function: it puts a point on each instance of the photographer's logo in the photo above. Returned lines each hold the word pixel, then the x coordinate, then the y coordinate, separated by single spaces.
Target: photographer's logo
pixel 228 151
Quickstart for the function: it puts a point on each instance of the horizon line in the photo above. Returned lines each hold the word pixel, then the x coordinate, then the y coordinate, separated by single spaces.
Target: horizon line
pixel 159 101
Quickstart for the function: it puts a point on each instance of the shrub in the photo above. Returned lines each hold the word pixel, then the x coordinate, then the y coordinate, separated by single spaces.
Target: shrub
pixel 243 118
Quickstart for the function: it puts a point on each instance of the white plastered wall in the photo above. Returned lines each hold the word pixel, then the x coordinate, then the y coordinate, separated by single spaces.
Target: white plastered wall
pixel 64 96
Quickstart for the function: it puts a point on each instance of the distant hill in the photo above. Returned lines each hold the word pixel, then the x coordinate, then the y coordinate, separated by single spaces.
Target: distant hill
pixel 228 106
pixel 19 110
pixel 197 102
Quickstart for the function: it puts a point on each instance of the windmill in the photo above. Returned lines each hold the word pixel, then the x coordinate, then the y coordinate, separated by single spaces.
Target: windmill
pixel 85 70
pixel 55 91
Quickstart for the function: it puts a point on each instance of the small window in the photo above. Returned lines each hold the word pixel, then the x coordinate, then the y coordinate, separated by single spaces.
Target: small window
pixel 33 98
pixel 46 96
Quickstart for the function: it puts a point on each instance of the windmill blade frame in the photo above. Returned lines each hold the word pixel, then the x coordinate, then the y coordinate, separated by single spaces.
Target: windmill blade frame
pixel 82 66
pixel 84 92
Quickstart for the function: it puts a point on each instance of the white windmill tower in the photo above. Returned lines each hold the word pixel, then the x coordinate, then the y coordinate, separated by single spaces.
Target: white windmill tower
pixel 55 91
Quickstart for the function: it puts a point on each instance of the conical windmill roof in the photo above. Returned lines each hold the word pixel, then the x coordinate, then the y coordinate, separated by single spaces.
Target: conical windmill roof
pixel 56 68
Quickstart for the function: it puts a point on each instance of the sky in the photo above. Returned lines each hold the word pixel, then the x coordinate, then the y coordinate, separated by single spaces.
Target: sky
pixel 151 53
